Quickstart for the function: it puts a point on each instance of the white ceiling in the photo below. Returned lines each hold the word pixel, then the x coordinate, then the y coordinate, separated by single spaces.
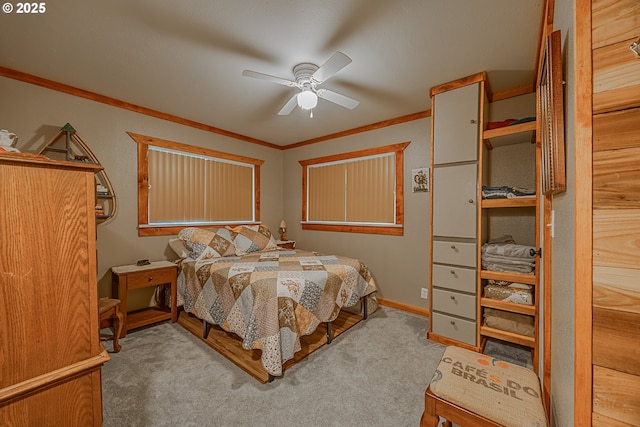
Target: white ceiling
pixel 186 57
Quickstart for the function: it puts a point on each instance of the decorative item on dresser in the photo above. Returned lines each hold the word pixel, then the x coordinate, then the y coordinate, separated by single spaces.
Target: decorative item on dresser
pixel 50 346
pixel 144 275
pixel 8 141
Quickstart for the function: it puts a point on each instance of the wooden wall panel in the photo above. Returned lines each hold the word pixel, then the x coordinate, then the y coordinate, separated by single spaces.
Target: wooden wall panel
pixel 617 288
pixel 618 336
pixel 616 238
pixel 616 178
pixel 616 130
pixel 616 395
pixel 615 82
pixel 628 97
pixel 614 21
pixel 600 420
pixel 615 310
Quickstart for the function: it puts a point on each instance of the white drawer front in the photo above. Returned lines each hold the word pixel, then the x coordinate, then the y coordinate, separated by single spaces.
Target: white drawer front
pixel 454 303
pixel 455 253
pixel 454 328
pixel 455 278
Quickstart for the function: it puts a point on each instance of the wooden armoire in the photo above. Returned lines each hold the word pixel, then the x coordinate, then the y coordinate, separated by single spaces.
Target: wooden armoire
pixel 50 352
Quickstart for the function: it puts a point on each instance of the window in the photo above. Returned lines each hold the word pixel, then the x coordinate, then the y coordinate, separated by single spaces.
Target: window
pixel 181 185
pixel 360 191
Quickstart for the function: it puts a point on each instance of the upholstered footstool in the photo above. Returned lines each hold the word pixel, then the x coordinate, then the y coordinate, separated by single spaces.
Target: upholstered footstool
pixel 476 390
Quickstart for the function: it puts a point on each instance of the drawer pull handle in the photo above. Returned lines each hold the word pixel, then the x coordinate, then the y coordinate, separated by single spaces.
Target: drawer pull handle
pixel 453 323
pixel 453 272
pixel 472 121
pixel 452 297
pixel 150 278
pixel 471 201
pixel 453 247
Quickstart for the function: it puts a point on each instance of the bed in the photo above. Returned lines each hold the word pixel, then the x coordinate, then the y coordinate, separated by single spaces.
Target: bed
pixel 240 280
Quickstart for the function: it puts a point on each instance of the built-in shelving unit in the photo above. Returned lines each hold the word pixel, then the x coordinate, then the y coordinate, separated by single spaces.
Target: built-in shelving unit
pixel 466 157
pixel 492 139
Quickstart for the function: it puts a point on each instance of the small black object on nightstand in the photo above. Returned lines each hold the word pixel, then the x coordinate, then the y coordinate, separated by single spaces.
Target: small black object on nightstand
pixel 143 262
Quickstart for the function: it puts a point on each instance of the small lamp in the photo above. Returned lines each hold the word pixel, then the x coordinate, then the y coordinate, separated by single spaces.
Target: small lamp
pixel 283 231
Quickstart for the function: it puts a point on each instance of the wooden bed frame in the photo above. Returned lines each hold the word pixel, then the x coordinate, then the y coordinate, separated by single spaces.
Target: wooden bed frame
pixel 229 344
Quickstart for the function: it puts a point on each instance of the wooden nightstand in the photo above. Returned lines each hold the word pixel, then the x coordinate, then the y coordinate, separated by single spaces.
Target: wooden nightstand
pixel 129 277
pixel 286 244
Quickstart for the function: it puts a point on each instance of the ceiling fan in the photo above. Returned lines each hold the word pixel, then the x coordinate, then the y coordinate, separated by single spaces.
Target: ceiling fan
pixel 307 78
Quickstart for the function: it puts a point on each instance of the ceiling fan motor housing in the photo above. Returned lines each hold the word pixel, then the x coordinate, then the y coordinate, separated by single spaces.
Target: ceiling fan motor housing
pixel 303 74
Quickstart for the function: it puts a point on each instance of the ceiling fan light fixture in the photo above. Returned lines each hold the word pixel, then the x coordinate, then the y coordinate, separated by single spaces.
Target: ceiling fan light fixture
pixel 307 100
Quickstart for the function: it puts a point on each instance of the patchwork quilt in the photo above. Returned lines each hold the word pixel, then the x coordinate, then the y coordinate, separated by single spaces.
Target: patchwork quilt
pixel 271 299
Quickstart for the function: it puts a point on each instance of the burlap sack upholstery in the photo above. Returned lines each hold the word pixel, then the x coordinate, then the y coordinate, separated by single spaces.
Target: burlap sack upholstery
pixel 502 392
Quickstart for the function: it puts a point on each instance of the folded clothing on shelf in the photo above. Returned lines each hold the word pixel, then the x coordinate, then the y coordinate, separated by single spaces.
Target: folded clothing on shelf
pixel 505 255
pixel 510 322
pixel 522 120
pixel 506 192
pixel 516 293
pixel 509 122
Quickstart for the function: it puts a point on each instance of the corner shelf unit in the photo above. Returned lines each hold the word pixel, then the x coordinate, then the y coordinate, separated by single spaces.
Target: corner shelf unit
pixel 76 150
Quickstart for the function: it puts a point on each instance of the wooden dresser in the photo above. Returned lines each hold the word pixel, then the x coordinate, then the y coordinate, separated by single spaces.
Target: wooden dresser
pixel 50 352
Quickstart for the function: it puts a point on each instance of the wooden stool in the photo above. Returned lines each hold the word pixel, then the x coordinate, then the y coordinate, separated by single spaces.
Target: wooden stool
pixel 109 309
pixel 473 389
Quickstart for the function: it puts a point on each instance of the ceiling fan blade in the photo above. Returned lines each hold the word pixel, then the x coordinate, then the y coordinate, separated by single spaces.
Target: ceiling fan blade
pixel 336 98
pixel 269 78
pixel 289 106
pixel 334 64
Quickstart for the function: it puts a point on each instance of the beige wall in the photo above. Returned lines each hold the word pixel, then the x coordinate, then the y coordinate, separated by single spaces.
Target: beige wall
pixel 35 114
pixel 399 263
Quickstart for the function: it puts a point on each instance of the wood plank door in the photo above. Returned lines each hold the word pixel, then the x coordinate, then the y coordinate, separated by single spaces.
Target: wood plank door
pixel 610 383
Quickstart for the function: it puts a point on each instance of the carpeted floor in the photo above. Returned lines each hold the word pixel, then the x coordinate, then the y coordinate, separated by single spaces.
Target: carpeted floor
pixel 373 375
